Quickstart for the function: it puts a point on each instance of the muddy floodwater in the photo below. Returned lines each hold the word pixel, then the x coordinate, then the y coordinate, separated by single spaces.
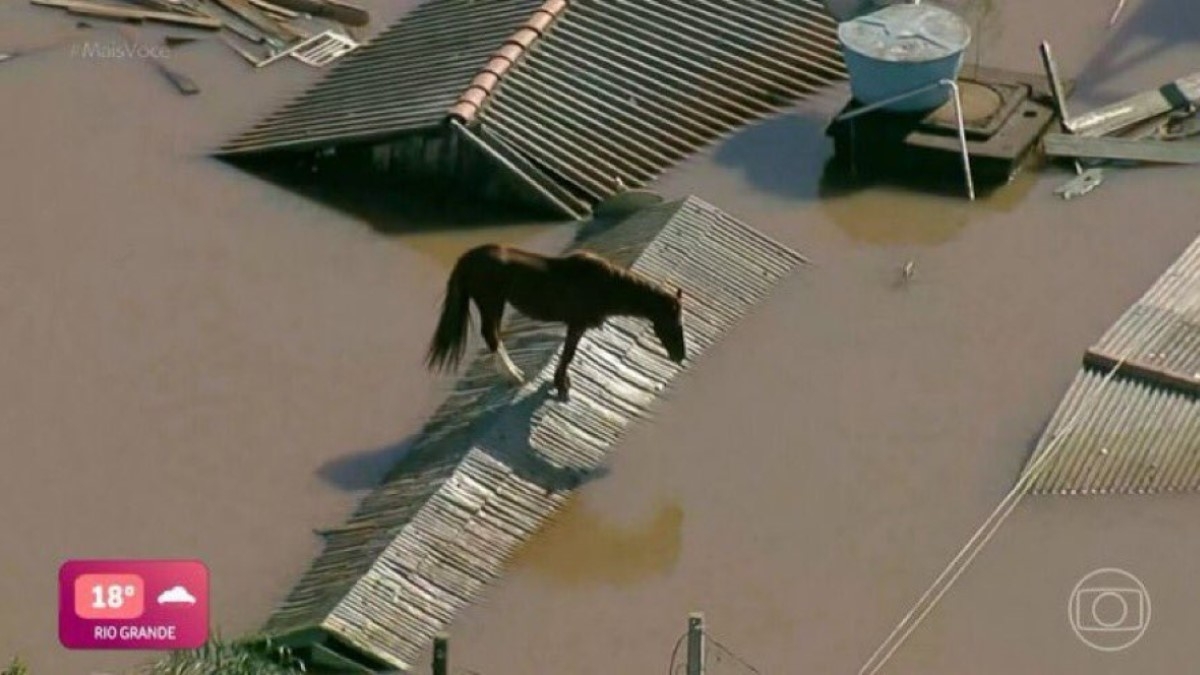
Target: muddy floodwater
pixel 201 364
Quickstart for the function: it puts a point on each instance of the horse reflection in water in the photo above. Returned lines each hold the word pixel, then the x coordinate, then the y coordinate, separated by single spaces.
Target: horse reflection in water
pixel 581 290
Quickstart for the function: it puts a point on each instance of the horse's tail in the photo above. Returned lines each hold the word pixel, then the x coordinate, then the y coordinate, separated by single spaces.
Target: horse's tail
pixel 450 338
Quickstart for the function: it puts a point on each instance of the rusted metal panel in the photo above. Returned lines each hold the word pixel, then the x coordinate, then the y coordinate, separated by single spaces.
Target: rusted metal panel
pixel 1130 422
pixel 494 463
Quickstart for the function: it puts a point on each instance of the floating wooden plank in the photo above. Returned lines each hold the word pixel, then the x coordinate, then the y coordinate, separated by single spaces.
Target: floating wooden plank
pixel 241 52
pixel 1139 107
pixel 191 7
pixel 186 85
pixel 274 9
pixel 1141 150
pixel 1143 370
pixel 160 6
pixel 341 12
pixel 177 40
pixel 120 13
pixel 255 18
pixel 170 6
pixel 114 14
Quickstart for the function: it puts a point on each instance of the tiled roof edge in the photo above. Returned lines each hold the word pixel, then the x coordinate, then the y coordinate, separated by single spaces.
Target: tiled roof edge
pixel 477 92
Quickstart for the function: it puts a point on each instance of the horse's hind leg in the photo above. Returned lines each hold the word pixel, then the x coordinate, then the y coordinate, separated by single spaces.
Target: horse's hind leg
pixel 491 313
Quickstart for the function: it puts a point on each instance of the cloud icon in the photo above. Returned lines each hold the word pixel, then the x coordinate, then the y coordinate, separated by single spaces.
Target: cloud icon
pixel 176 595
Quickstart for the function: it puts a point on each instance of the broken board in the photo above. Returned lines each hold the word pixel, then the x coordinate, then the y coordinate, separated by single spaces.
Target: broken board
pixel 1138 150
pixel 1138 108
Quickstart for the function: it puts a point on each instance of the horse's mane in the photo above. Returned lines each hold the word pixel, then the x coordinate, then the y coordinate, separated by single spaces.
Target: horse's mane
pixel 646 292
pixel 638 279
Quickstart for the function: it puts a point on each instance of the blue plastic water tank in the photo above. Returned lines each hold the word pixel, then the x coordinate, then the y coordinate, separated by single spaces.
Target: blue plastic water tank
pixel 901 48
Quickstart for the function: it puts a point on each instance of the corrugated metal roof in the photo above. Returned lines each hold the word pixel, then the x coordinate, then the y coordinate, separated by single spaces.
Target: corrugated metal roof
pixel 620 91
pixel 1139 431
pixel 402 81
pixel 475 486
pixel 597 94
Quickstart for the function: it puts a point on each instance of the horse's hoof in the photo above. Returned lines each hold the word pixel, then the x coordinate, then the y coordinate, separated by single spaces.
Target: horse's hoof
pixel 563 385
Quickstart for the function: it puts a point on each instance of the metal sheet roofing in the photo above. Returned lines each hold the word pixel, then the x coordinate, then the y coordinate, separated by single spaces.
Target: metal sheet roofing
pixel 402 81
pixel 1138 430
pixel 495 462
pixel 617 91
pixel 597 94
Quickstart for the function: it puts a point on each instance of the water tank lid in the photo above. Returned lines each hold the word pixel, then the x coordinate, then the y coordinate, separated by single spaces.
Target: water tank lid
pixel 906 33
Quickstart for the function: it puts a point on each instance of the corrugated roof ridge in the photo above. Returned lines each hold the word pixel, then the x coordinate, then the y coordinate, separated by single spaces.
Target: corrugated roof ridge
pixel 503 59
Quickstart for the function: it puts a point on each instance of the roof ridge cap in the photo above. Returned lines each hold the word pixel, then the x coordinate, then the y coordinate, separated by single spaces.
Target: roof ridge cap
pixel 472 99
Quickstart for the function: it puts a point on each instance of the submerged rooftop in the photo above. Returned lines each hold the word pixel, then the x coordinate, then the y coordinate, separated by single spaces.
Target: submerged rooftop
pixel 575 99
pixel 495 462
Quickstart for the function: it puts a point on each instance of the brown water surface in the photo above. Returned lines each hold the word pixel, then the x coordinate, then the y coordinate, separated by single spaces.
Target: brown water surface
pixel 187 350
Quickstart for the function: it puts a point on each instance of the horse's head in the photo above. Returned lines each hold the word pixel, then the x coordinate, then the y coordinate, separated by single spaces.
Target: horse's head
pixel 668 326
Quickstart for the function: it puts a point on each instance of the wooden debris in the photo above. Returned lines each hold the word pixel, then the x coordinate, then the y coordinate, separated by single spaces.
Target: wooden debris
pixel 341 12
pixel 177 40
pixel 241 52
pixel 111 13
pixel 260 22
pixel 247 33
pixel 157 5
pixel 1145 150
pixel 1080 185
pixel 186 85
pixel 274 9
pixel 92 9
pixel 1140 107
pixel 907 271
pixel 280 18
pixel 191 7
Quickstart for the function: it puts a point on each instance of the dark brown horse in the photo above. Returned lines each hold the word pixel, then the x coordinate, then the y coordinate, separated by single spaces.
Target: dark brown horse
pixel 581 290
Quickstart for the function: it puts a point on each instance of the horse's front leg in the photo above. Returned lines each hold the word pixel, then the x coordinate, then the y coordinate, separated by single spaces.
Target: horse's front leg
pixel 491 313
pixel 562 380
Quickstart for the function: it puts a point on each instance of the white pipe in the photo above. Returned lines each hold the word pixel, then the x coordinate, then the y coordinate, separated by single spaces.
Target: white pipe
pixel 962 136
pixel 958 118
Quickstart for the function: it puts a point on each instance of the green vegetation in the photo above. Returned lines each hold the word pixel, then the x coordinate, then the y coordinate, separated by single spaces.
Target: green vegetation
pixel 218 657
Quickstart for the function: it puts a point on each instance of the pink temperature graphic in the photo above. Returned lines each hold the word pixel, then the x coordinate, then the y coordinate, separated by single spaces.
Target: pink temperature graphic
pixel 133 604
